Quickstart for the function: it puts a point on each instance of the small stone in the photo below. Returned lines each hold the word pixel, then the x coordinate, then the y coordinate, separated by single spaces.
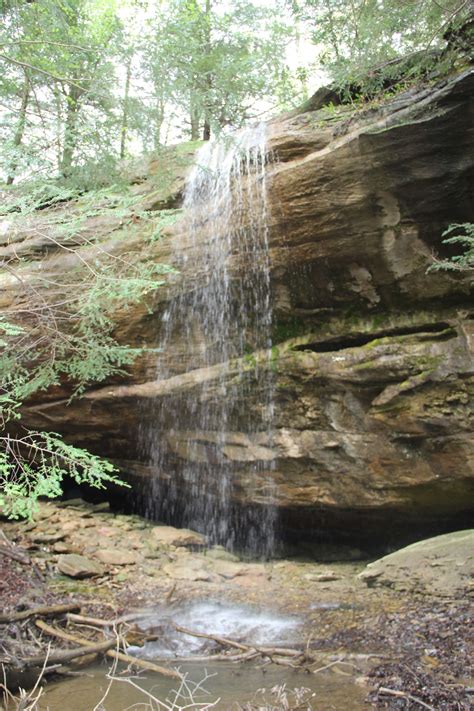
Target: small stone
pixel 72 503
pixel 220 553
pixel 326 577
pixel 368 576
pixel 108 531
pixel 151 570
pixel 228 569
pixel 139 525
pixel 157 555
pixel 61 547
pixel 77 566
pixel 69 526
pixel 115 556
pixel 103 506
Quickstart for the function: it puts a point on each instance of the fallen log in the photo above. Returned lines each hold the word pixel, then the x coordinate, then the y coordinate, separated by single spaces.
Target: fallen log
pixel 44 611
pixel 67 655
pixel 120 656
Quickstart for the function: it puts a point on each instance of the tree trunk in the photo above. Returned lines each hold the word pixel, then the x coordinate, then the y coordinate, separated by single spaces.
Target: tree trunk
pixel 20 129
pixel 123 131
pixel 59 123
pixel 160 117
pixel 206 134
pixel 194 118
pixel 70 133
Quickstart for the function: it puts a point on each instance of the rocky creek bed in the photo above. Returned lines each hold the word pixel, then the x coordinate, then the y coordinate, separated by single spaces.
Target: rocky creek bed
pixel 396 633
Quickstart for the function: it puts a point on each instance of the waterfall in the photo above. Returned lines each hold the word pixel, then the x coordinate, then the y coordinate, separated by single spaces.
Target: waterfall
pixel 199 441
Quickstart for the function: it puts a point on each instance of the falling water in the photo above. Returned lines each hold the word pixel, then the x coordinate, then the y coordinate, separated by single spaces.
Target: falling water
pixel 200 441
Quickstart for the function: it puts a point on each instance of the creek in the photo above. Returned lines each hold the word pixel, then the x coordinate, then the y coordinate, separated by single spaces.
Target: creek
pixel 223 685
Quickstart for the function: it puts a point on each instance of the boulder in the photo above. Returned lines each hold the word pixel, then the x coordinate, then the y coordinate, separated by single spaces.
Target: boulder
pixel 170 536
pixel 443 565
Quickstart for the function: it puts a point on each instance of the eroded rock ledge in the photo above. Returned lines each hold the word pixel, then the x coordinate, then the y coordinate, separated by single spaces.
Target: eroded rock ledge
pixel 373 365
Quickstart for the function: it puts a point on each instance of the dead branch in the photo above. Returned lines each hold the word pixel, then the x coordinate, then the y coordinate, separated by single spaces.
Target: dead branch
pixel 11 552
pixel 44 611
pixel 142 663
pixel 67 655
pixel 220 640
pixel 93 621
pixel 282 656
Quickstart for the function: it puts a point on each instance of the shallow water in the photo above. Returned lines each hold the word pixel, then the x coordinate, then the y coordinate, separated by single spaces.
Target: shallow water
pixel 231 684
pixel 226 683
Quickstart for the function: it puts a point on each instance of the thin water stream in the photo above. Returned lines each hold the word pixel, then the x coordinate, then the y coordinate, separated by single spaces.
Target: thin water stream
pixel 222 312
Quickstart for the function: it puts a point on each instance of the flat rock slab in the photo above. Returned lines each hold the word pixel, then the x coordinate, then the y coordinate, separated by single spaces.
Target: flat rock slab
pixel 170 536
pixel 443 565
pixel 115 556
pixel 188 569
pixel 78 566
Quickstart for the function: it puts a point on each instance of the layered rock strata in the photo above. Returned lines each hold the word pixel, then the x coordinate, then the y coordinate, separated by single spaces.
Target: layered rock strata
pixel 373 356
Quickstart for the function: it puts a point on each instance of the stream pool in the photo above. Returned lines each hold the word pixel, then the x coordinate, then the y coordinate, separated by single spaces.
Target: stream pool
pixel 224 684
pixel 234 686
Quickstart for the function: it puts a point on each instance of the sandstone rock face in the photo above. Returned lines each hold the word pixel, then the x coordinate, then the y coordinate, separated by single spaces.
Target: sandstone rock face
pixel 373 356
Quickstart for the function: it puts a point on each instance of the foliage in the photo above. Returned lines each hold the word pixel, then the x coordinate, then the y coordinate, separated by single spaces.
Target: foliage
pixel 34 465
pixel 83 82
pixel 214 59
pixel 60 329
pixel 361 42
pixel 461 236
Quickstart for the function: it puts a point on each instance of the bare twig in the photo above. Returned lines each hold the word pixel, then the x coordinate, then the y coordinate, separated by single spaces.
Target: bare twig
pixel 403 695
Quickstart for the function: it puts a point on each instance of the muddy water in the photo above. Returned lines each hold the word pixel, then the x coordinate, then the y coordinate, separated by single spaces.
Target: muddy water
pixel 231 684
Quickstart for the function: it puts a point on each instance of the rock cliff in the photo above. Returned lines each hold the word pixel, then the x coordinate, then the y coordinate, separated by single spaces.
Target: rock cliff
pixel 372 358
